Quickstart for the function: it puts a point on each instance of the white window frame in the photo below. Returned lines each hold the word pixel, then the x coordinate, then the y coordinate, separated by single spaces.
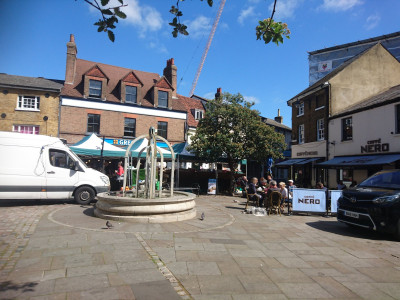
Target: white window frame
pixel 32 129
pixel 97 89
pixel 320 130
pixel 300 109
pixel 30 103
pixel 301 134
pixel 198 114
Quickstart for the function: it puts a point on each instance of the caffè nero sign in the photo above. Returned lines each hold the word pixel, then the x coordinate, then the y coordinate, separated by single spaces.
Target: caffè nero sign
pixel 375 146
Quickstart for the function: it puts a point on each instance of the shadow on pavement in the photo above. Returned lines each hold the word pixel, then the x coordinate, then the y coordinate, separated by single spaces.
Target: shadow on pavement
pixel 234 207
pixel 23 287
pixel 338 228
pixel 30 202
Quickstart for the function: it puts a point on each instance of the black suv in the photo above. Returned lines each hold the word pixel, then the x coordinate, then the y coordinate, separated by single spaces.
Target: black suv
pixel 374 203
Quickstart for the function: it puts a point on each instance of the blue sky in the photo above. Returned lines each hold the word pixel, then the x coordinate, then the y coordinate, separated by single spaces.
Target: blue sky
pixel 34 36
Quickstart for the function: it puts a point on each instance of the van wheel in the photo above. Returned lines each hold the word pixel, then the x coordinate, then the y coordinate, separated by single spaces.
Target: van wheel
pixel 84 195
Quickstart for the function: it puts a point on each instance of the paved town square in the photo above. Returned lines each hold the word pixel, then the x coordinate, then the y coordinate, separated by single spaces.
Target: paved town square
pixel 53 250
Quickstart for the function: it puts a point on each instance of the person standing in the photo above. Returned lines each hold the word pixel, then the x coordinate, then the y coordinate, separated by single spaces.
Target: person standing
pixel 120 175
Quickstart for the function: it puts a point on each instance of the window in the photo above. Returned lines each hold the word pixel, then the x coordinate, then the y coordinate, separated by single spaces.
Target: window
pixel 93 124
pixel 28 103
pixel 28 129
pixel 301 134
pixel 95 88
pixel 320 130
pixel 130 94
pixel 61 159
pixel 162 128
pixel 347 129
pixel 130 127
pixel 320 101
pixel 162 99
pixel 300 109
pixel 398 118
pixel 198 114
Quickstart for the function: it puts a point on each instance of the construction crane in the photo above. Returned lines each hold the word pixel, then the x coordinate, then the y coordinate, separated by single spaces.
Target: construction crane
pixel 210 38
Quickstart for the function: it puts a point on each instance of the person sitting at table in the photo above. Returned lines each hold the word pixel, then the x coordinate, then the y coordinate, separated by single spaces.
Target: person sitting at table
pixel 290 194
pixel 284 193
pixel 320 186
pixel 253 188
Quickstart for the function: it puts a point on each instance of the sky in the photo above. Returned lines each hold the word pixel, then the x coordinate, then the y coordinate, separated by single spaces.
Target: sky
pixel 34 36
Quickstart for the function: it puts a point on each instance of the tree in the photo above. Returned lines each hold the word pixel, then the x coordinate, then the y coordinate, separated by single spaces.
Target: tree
pixel 232 130
pixel 268 30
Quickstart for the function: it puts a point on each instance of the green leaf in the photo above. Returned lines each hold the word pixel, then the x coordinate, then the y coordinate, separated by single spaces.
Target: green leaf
pixel 106 12
pixel 120 14
pixel 104 2
pixel 111 36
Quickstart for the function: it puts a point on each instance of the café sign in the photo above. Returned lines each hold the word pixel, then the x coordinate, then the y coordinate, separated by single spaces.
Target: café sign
pixel 118 142
pixel 375 146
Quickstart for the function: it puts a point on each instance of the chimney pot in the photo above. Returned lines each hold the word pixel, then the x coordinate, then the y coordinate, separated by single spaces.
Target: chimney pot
pixel 71 38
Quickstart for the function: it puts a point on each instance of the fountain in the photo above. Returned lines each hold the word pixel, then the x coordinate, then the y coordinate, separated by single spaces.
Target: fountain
pixel 145 203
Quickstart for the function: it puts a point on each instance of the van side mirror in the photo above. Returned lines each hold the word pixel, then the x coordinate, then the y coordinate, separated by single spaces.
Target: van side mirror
pixel 76 166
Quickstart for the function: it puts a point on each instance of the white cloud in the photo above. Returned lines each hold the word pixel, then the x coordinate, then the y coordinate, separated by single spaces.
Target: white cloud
pixel 200 26
pixel 157 46
pixel 245 14
pixel 373 21
pixel 145 17
pixel 252 99
pixel 340 5
pixel 285 8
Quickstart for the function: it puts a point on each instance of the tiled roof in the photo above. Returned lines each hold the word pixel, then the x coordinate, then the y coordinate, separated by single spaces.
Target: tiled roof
pixel 366 41
pixel 115 74
pixel 332 74
pixel 190 105
pixel 31 83
pixel 275 124
pixel 389 95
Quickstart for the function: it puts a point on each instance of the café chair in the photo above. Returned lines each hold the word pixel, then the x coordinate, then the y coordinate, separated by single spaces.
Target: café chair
pixel 274 203
pixel 252 197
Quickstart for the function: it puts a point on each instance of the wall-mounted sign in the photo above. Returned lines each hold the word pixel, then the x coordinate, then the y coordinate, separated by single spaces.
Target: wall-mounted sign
pixel 118 142
pixel 375 146
pixel 325 66
pixel 307 153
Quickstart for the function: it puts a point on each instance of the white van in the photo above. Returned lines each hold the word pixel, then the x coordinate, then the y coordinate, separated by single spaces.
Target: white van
pixel 43 167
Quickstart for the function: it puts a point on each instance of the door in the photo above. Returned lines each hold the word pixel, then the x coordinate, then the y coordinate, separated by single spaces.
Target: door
pixel 61 178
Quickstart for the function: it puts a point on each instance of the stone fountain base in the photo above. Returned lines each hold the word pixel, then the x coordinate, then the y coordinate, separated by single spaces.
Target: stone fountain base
pixel 160 210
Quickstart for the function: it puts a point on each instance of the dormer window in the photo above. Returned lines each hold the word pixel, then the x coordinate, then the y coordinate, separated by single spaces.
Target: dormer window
pixel 198 114
pixel 130 94
pixel 162 99
pixel 95 88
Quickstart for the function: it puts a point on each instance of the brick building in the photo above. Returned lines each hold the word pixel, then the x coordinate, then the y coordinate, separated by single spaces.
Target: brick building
pixel 362 76
pixel 29 104
pixel 122 103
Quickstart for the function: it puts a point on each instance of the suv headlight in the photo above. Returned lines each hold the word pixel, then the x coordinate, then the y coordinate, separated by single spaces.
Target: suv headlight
pixel 385 199
pixel 105 179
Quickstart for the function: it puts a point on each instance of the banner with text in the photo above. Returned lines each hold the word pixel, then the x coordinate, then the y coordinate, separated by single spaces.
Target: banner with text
pixel 309 200
pixel 335 195
pixel 212 186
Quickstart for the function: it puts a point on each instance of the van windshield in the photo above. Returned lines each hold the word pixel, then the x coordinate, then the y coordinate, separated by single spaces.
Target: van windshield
pixel 388 180
pixel 79 159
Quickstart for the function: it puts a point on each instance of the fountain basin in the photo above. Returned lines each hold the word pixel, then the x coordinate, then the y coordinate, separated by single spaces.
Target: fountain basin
pixel 159 210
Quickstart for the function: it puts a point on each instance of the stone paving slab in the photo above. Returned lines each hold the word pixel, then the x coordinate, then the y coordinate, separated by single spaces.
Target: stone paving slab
pixel 61 251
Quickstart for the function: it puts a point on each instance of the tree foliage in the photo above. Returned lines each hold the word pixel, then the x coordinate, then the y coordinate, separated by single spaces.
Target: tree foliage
pixel 268 30
pixel 231 129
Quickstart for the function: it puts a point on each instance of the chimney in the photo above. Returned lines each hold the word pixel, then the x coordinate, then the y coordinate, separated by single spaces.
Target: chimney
pixel 218 94
pixel 170 72
pixel 279 118
pixel 71 60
